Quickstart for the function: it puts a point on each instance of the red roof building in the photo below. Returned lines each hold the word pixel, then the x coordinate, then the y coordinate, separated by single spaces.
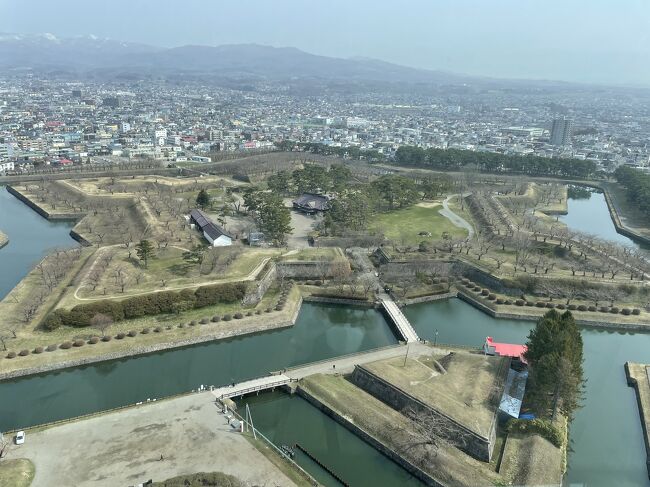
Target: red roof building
pixel 504 349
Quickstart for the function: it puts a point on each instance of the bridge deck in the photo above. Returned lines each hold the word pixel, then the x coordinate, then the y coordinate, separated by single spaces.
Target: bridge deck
pixel 402 324
pixel 254 385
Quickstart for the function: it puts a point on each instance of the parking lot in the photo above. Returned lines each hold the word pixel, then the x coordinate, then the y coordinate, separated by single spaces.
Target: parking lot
pixel 124 448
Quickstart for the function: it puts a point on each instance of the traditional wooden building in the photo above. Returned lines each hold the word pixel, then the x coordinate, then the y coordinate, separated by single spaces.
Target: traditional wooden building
pixel 212 232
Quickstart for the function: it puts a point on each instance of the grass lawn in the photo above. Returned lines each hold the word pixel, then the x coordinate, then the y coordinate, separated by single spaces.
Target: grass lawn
pixel 628 212
pixel 463 393
pixel 403 226
pixel 16 473
pixel 167 271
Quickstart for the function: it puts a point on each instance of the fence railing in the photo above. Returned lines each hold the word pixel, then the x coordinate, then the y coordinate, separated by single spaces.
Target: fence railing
pixel 258 387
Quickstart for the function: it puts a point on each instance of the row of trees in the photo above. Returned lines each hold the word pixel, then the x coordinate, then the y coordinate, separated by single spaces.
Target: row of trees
pixel 637 184
pixel 312 178
pixel 152 304
pixel 554 354
pixel 455 159
pixel 354 153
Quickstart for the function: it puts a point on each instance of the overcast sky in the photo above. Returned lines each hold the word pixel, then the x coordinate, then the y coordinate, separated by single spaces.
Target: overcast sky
pixel 602 41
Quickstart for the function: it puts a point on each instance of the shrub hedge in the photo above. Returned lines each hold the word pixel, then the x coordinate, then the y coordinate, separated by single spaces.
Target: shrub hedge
pixel 536 426
pixel 38 350
pixel 147 305
pixel 11 355
pixel 23 353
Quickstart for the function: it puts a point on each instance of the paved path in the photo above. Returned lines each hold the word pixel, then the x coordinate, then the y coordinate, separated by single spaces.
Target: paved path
pixel 346 363
pixel 402 324
pixel 454 218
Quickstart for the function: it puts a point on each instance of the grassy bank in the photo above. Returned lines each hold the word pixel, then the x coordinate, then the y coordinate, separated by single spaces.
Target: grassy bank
pixel 174 331
pixel 16 472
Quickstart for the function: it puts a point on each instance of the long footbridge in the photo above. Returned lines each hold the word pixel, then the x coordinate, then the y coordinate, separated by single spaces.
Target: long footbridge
pixel 342 364
pixel 397 317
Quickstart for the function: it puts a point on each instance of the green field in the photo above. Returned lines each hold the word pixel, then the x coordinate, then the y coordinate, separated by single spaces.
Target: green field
pixel 403 226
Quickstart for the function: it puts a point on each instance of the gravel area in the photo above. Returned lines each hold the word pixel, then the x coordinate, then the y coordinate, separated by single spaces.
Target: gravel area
pixel 125 447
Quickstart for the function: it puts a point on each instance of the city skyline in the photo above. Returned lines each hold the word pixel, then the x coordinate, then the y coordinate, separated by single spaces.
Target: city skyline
pixel 608 45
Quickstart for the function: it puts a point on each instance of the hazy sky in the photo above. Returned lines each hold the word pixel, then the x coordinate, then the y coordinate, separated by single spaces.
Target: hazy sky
pixel 604 41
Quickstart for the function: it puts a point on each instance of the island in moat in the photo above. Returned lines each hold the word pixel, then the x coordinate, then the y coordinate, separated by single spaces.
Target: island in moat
pixel 179 258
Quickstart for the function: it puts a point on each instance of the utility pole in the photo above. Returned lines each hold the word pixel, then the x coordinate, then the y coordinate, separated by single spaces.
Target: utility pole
pixel 407 353
pixel 249 420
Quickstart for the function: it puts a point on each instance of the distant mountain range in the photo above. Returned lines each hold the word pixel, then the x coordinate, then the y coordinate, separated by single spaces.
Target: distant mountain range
pixel 46 52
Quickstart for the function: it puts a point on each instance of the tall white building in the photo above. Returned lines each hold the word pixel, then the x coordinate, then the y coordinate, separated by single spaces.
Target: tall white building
pixel 160 136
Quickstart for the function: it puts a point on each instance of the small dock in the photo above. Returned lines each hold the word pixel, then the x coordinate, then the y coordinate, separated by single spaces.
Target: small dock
pixel 638 376
pixel 397 317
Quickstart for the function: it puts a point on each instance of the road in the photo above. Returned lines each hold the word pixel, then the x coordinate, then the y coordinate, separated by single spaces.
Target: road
pixel 454 218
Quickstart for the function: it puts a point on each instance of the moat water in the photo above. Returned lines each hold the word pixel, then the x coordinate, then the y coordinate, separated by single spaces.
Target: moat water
pixel 607 444
pixel 591 215
pixel 30 238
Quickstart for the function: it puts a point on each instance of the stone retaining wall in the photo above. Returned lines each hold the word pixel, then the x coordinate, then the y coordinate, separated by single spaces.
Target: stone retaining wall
pixel 463 438
pixel 633 382
pixel 576 314
pixel 313 270
pixel 41 211
pixel 334 300
pixel 430 298
pixel 259 288
pixel 368 438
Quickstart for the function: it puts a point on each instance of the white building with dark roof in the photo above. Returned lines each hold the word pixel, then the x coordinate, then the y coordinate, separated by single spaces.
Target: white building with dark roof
pixel 212 232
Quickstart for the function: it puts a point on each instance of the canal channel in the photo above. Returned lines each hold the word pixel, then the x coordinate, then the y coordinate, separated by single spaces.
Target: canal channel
pixel 607 446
